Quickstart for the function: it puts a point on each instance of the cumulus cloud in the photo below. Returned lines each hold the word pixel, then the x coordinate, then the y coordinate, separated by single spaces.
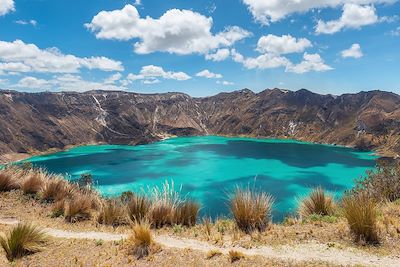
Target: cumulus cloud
pixel 27 22
pixel 271 11
pixel 176 31
pixel 64 82
pixel 219 55
pixel 113 78
pixel 18 56
pixel 6 6
pixel 265 61
pixel 152 73
pixel 354 51
pixel 353 17
pixel 226 83
pixel 208 74
pixel 284 44
pixel 311 62
pixel 395 32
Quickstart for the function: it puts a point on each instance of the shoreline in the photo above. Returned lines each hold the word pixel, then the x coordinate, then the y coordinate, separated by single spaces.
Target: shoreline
pixel 15 157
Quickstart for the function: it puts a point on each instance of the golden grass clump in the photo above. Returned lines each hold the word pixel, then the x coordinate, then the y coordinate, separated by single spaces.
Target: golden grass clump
pixel 164 204
pixel 113 213
pixel 235 255
pixel 251 210
pixel 22 240
pixel 361 213
pixel 317 202
pixel 138 207
pixel 33 182
pixel 8 180
pixel 55 189
pixel 78 208
pixel 213 253
pixel 141 239
pixel 186 213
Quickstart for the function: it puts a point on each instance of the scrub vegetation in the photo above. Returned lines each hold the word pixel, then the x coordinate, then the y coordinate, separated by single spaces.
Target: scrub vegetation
pixel 368 215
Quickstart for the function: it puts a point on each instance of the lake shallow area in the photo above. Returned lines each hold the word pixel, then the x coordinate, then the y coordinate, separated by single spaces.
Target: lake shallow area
pixel 209 167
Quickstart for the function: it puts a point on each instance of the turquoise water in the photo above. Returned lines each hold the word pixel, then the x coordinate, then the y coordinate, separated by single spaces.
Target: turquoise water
pixel 208 168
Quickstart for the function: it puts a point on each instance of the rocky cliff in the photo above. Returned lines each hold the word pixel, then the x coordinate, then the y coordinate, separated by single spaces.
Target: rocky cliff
pixel 33 122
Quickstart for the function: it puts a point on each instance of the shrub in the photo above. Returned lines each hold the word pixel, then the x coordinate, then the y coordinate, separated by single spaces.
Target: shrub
pixel 33 183
pixel 138 207
pixel 58 209
pixel 86 180
pixel 361 214
pixel 142 239
pixel 126 196
pixel 382 184
pixel 78 208
pixel 235 255
pixel 22 240
pixel 186 213
pixel 251 210
pixel 7 181
pixel 113 213
pixel 317 202
pixel 164 204
pixel 55 189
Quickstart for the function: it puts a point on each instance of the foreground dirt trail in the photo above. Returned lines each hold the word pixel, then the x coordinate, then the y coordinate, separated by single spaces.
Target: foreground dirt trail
pixel 297 253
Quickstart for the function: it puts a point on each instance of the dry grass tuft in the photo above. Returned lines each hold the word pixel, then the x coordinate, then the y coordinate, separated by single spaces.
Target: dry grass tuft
pixel 78 208
pixel 55 188
pixel 164 204
pixel 361 213
pixel 251 210
pixel 235 255
pixel 141 239
pixel 22 240
pixel 33 182
pixel 138 207
pixel 317 202
pixel 186 213
pixel 207 225
pixel 113 213
pixel 8 180
pixel 213 253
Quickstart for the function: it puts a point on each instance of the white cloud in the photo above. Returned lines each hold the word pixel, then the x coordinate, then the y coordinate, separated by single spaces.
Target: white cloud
pixel 226 83
pixel 353 17
pixel 33 83
pixel 311 62
pixel 66 82
pixel 284 44
pixel 151 81
pixel 18 56
pixel 137 2
pixel 209 75
pixel 176 31
pixel 151 72
pixel 219 55
pixel 265 11
pixel 27 22
pixel 6 6
pixel 265 61
pixel 113 78
pixel 395 32
pixel 354 51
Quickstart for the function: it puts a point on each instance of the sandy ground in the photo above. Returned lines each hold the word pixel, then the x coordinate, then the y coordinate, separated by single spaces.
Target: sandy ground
pixel 318 243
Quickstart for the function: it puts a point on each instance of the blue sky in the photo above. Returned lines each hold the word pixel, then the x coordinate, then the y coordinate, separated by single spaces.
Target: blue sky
pixel 200 47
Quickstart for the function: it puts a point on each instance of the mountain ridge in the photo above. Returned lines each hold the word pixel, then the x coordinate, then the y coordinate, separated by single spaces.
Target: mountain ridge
pixel 36 122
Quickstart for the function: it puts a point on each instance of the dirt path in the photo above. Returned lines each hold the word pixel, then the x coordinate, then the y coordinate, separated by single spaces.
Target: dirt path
pixel 297 253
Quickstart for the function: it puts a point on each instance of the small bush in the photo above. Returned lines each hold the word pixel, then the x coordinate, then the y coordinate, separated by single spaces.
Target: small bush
pixel 186 213
pixel 138 207
pixel 317 202
pixel 142 239
pixel 7 181
pixel 361 213
pixel 22 240
pixel 126 196
pixel 113 213
pixel 86 180
pixel 58 209
pixel 33 183
pixel 235 255
pixel 251 210
pixel 382 184
pixel 78 208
